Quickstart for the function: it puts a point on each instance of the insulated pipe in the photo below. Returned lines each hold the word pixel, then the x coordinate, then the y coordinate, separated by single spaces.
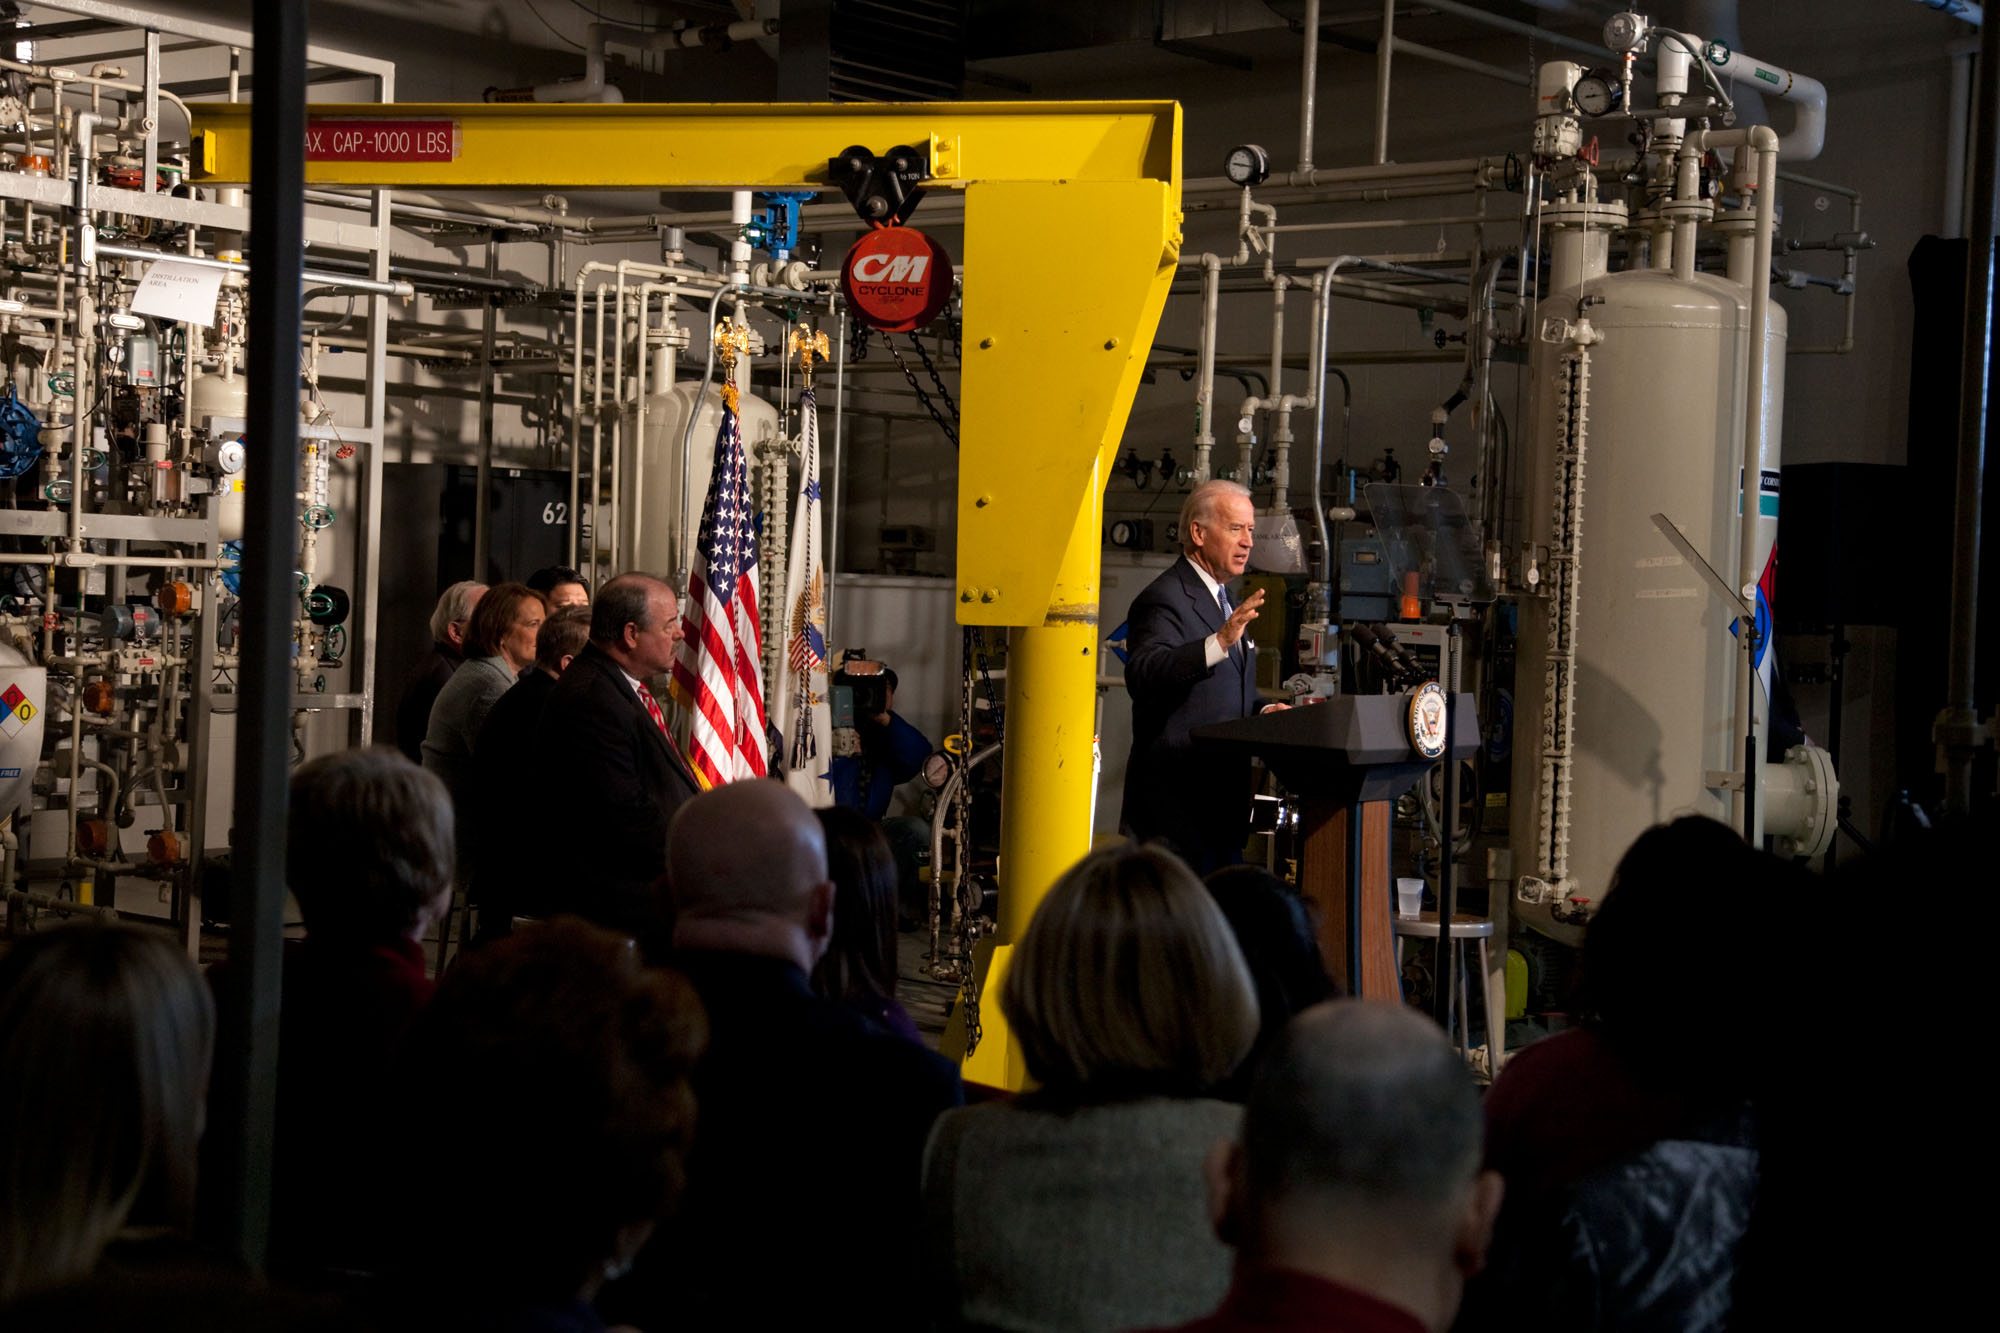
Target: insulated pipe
pixel 1957 730
pixel 1670 78
pixel 837 494
pixel 1385 56
pixel 1211 306
pixel 1808 95
pixel 1282 438
pixel 591 87
pixel 739 244
pixel 1281 423
pixel 1687 190
pixel 1308 88
pixel 1762 140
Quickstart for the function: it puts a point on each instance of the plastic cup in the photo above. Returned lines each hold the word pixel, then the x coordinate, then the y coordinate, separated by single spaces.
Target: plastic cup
pixel 1409 898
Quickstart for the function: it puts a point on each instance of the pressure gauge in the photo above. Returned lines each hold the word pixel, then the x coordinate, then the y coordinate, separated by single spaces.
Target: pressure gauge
pixel 1597 93
pixel 1248 164
pixel 937 769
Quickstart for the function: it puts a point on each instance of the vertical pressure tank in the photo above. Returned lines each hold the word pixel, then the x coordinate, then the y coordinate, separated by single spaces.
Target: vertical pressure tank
pixel 1651 668
pixel 224 397
pixel 652 513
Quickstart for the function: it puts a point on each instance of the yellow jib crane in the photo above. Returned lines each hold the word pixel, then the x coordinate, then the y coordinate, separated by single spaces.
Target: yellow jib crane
pixel 1072 231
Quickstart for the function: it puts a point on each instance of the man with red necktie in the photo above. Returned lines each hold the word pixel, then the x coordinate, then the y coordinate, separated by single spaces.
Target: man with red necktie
pixel 606 757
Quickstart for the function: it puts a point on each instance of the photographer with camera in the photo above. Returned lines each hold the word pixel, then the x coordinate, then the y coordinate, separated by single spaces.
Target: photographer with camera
pixel 876 751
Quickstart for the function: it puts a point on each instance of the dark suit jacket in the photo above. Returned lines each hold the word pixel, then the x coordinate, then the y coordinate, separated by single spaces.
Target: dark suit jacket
pixel 504 793
pixel 802 1198
pixel 605 771
pixel 413 711
pixel 1196 801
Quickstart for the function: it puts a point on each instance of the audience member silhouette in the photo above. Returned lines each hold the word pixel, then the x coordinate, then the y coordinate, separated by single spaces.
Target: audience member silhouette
pixel 106 1037
pixel 369 859
pixel 500 645
pixel 1273 926
pixel 506 788
pixel 450 620
pixel 1630 1144
pixel 859 968
pixel 1079 1206
pixel 555 1064
pixel 1354 1195
pixel 813 1117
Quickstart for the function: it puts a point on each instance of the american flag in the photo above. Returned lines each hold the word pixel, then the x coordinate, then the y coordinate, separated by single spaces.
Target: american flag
pixel 801 695
pixel 717 675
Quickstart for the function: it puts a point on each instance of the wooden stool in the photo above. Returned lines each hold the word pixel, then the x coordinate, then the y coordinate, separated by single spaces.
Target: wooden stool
pixel 1463 927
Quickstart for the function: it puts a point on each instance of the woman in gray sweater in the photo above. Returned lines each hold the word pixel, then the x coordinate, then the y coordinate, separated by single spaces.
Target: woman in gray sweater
pixel 1080 1206
pixel 499 644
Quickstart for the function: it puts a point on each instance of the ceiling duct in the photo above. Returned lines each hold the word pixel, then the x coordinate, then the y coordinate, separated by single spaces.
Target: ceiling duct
pixel 872 51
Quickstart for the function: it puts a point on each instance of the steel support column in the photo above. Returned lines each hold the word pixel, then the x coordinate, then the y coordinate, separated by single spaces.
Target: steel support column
pixel 248 1063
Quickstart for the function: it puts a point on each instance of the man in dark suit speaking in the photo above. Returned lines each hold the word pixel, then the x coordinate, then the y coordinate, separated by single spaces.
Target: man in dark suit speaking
pixel 1189 662
pixel 605 757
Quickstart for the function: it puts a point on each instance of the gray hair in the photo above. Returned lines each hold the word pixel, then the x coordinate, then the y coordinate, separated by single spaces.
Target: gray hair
pixel 455 607
pixel 1362 1105
pixel 562 635
pixel 625 600
pixel 1200 505
pixel 106 1036
pixel 372 843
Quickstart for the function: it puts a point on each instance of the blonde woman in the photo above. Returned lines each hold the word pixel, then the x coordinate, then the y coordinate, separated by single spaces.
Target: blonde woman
pixel 106 1035
pixel 1080 1206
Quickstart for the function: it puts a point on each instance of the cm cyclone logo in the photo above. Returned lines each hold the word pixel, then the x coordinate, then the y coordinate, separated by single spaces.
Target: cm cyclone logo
pixel 896 279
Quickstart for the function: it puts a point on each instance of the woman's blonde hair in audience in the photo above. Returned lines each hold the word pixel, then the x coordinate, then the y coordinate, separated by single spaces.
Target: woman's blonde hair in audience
pixel 106 1036
pixel 1128 982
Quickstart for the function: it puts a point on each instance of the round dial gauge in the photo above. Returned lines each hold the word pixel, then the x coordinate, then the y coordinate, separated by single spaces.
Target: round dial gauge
pixel 1596 94
pixel 1248 164
pixel 937 769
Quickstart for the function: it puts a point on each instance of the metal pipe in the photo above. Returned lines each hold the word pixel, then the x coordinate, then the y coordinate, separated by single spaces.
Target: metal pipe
pixel 576 439
pixel 687 444
pixel 1957 730
pixel 1540 36
pixel 1764 142
pixel 1383 224
pixel 1385 55
pixel 1309 86
pixel 1953 220
pixel 318 278
pixel 482 484
pixel 248 1061
pixel 1455 61
pixel 839 493
pixel 1204 396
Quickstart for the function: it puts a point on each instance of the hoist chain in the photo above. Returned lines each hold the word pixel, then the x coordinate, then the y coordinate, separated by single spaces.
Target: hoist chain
pixel 950 428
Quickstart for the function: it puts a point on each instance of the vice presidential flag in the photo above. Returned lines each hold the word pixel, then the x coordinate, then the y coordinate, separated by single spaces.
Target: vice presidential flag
pixel 717 676
pixel 802 709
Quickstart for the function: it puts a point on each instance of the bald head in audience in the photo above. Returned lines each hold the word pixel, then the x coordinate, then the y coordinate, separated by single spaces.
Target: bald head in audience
pixel 746 873
pixel 1359 1160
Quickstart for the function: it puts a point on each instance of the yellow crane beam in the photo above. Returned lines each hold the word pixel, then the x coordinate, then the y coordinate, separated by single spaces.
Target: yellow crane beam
pixel 1072 230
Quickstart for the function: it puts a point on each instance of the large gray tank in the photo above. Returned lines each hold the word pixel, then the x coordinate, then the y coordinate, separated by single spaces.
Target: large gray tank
pixel 1654 684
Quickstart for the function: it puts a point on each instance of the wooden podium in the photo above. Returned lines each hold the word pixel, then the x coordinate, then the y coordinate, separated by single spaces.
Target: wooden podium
pixel 1346 758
